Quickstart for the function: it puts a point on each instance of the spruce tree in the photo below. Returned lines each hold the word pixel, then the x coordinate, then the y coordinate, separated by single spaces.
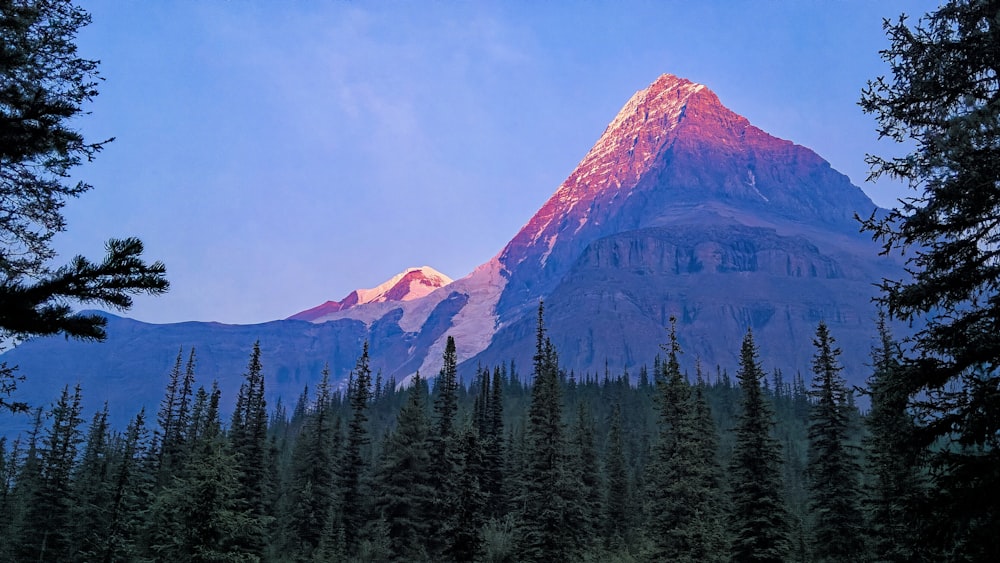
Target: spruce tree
pixel 616 504
pixel 686 519
pixel 92 488
pixel 403 480
pixel 249 445
pixel 941 100
pixel 46 532
pixel 894 464
pixel 198 517
pixel 469 504
pixel 833 468
pixel 446 448
pixel 353 468
pixel 130 480
pixel 312 477
pixel 543 496
pixel 759 523
pixel 45 88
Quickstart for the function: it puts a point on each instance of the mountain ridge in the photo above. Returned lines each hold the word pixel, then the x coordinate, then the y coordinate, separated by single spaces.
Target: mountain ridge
pixel 682 209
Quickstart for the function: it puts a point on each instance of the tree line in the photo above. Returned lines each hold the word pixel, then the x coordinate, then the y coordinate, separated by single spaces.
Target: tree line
pixel 662 465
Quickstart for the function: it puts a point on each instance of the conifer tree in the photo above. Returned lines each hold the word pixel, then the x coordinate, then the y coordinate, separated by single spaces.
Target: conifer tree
pixel 685 508
pixel 759 523
pixel 584 470
pixel 403 480
pixel 46 533
pixel 312 476
pixel 27 480
pixel 894 463
pixel 353 470
pixel 470 502
pixel 167 414
pixel 493 483
pixel 130 480
pixel 446 395
pixel 616 499
pixel 197 516
pixel 833 467
pixel 941 100
pixel 249 444
pixel 547 535
pixel 446 451
pixel 92 487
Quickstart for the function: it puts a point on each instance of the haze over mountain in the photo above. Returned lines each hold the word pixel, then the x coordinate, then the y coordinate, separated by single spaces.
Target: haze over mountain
pixel 682 208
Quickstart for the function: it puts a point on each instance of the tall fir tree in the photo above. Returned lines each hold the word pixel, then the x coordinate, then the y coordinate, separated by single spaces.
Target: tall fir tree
pixel 941 100
pixel 312 477
pixel 130 484
pixel 896 481
pixel 685 510
pixel 403 481
pixel 759 525
pixel 543 495
pixel 584 470
pixel 833 467
pixel 353 477
pixel 198 517
pixel 92 487
pixel 469 504
pixel 249 444
pixel 46 532
pixel 616 498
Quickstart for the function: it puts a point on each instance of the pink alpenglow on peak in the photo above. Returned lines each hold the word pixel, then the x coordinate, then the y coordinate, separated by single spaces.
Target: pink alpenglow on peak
pixel 408 285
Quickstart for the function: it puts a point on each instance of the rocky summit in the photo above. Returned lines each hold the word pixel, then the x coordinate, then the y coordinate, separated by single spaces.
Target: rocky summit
pixel 681 209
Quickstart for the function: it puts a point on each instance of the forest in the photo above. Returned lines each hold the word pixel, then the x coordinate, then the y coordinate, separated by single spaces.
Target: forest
pixel 677 462
pixel 667 464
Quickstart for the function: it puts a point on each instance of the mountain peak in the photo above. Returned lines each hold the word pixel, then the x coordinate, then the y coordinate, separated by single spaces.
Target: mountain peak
pixel 627 149
pixel 672 148
pixel 410 284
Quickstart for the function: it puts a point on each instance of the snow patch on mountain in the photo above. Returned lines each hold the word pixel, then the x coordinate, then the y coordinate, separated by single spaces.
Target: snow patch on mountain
pixel 408 285
pixel 474 326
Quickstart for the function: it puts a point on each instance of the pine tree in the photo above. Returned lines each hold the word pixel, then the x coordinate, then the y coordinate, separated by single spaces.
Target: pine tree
pixel 470 501
pixel 446 448
pixel 584 470
pixel 353 470
pixel 833 467
pixel 173 418
pixel 46 533
pixel 92 488
pixel 493 483
pixel 249 444
pixel 685 510
pixel 941 100
pixel 312 477
pixel 446 395
pixel 616 499
pixel 896 481
pixel 197 516
pixel 759 523
pixel 403 481
pixel 46 86
pixel 27 480
pixel 130 480
pixel 543 496
pixel 166 417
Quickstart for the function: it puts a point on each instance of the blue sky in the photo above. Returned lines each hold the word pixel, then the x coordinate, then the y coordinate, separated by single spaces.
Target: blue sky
pixel 278 154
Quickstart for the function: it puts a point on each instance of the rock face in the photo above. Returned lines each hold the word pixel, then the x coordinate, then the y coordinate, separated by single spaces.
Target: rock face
pixel 682 208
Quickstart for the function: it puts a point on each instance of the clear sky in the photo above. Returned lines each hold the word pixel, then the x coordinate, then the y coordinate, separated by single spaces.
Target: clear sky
pixel 279 154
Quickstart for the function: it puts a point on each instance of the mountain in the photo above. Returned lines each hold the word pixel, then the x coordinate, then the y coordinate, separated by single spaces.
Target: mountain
pixel 408 285
pixel 681 209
